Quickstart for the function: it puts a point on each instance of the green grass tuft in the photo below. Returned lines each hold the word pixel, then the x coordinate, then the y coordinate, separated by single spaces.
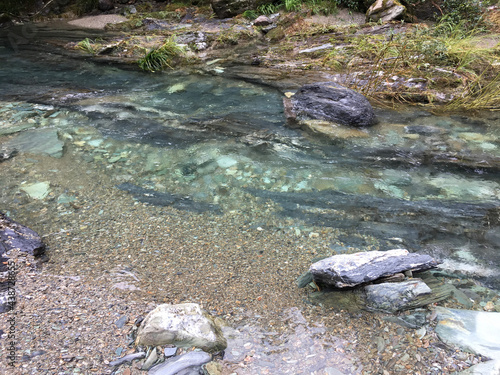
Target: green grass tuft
pixel 161 57
pixel 86 46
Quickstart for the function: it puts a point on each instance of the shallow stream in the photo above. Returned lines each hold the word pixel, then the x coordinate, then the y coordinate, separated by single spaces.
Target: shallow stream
pixel 89 143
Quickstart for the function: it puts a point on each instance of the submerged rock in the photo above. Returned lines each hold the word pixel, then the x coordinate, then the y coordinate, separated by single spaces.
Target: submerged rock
pixel 392 297
pixel 157 198
pixel 348 270
pixel 332 102
pixel 45 142
pixel 183 325
pixel 38 190
pixel 477 332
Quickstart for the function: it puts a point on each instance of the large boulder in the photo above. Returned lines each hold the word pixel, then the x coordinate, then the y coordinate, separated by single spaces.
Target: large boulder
pixel 385 10
pixel 231 8
pixel 331 102
pixel 183 325
pixel 349 270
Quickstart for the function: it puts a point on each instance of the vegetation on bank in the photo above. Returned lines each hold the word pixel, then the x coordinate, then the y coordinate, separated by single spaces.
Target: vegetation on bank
pixel 404 62
pixel 161 57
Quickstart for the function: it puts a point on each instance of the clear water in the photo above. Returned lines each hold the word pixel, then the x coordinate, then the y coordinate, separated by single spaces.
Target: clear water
pixel 414 180
pixel 207 143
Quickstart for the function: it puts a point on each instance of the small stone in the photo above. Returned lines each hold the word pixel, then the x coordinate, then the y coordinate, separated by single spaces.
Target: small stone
pixel 151 360
pixel 262 21
pixel 394 297
pixel 347 270
pixel 170 352
pixel 122 321
pixel 490 306
pixel 176 364
pixel 213 368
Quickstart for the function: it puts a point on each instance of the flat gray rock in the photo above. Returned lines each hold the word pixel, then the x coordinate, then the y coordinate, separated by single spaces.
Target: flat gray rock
pixel 180 363
pixel 392 297
pixel 44 141
pixel 348 270
pixel 477 332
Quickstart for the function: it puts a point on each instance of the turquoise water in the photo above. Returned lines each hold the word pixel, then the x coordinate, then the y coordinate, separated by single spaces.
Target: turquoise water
pixel 416 180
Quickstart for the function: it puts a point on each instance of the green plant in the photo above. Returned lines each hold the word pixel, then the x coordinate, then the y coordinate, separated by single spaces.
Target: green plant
pixel 478 96
pixel 325 7
pixel 268 8
pixel 161 57
pixel 250 14
pixel 15 7
pixel 85 6
pixel 351 4
pixel 467 13
pixel 293 5
pixel 86 45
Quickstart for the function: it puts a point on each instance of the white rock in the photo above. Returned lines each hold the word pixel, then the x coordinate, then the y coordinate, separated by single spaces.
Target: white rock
pixel 183 325
pixel 38 190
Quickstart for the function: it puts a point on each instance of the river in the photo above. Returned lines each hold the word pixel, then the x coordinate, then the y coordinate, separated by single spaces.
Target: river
pixel 194 184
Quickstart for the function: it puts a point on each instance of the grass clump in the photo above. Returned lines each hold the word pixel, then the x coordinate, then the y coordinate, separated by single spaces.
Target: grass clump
pixel 380 66
pixel 87 45
pixel 478 95
pixel 161 57
pixel 325 7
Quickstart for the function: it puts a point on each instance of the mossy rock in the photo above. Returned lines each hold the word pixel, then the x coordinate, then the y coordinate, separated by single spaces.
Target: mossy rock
pixel 276 34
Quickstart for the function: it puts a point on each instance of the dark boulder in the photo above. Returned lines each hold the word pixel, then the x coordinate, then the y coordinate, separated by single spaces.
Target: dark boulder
pixel 105 5
pixel 16 236
pixel 334 103
pixel 231 8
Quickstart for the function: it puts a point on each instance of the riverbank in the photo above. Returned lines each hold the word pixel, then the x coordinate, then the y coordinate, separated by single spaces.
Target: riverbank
pixel 390 63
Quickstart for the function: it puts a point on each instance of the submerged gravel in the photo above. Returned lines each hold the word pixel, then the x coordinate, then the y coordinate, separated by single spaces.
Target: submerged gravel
pixel 110 256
